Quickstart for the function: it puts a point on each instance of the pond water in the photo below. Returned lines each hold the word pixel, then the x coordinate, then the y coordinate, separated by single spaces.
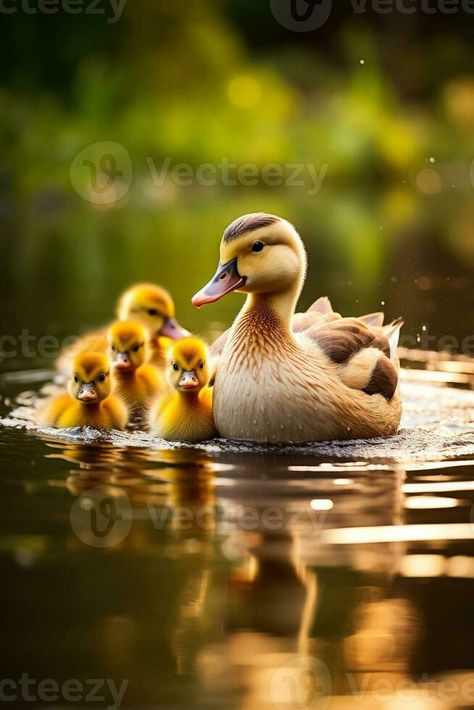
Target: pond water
pixel 226 575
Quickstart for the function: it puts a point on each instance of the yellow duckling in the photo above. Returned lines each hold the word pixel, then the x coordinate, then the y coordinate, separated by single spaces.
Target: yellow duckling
pixel 186 414
pixel 135 381
pixel 153 307
pixel 90 401
pixel 145 303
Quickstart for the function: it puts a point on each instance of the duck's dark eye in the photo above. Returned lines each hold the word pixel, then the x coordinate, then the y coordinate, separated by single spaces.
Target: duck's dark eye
pixel 136 348
pixel 76 378
pixel 201 365
pixel 101 377
pixel 257 246
pixel 152 312
pixel 114 348
pixel 175 366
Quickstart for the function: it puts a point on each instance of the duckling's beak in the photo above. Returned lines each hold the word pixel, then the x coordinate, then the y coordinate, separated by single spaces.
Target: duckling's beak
pixel 188 380
pixel 88 393
pixel 172 329
pixel 225 280
pixel 122 361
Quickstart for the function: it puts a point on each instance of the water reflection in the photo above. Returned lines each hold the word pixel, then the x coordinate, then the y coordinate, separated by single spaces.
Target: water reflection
pixel 226 576
pixel 248 580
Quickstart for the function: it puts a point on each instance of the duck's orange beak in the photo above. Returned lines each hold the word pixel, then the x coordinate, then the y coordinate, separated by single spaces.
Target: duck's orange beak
pixel 188 380
pixel 172 329
pixel 88 393
pixel 225 280
pixel 122 361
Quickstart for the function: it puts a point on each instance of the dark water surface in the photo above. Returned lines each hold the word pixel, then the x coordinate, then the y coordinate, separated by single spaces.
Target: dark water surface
pixel 226 576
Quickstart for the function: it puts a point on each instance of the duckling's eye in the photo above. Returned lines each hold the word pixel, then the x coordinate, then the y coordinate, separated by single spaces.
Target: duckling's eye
pixel 114 348
pixel 152 312
pixel 201 365
pixel 257 246
pixel 76 378
pixel 175 366
pixel 136 348
pixel 101 377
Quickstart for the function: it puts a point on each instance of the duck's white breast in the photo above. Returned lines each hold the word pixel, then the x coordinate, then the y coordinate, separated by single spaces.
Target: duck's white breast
pixel 269 401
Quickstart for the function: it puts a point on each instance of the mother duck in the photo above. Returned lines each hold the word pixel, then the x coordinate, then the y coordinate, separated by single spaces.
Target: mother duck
pixel 292 378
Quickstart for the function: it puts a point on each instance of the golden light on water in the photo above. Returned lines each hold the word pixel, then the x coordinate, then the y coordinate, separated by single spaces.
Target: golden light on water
pixel 438 487
pixel 430 502
pixel 437 565
pixel 398 533
pixel 321 504
pixel 423 566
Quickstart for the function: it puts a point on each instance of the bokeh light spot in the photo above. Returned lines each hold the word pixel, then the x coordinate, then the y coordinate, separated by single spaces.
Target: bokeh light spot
pixel 244 91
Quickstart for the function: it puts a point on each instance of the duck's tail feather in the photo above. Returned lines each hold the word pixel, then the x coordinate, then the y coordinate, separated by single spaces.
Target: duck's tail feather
pixel 373 319
pixel 392 331
pixel 322 305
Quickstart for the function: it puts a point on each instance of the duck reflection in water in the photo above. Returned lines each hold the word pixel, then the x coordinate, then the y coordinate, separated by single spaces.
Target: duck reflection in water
pixel 226 585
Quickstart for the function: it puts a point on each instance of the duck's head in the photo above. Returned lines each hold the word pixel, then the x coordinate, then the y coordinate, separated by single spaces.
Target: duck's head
pixel 127 344
pixel 90 382
pixel 153 307
pixel 259 253
pixel 188 369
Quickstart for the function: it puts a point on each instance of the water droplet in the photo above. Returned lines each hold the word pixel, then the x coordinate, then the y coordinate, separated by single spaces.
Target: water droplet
pixel 424 327
pixel 382 303
pixel 432 160
pixel 362 61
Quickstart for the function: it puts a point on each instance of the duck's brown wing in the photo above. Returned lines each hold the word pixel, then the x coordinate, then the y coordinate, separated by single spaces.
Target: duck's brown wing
pixel 321 311
pixel 365 355
pixel 363 349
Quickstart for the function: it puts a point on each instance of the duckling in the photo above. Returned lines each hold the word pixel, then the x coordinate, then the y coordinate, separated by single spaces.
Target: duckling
pixel 145 303
pixel 135 381
pixel 186 414
pixel 90 401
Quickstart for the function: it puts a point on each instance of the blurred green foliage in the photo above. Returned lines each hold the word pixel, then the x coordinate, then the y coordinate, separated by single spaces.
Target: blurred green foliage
pixel 386 103
pixel 159 80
